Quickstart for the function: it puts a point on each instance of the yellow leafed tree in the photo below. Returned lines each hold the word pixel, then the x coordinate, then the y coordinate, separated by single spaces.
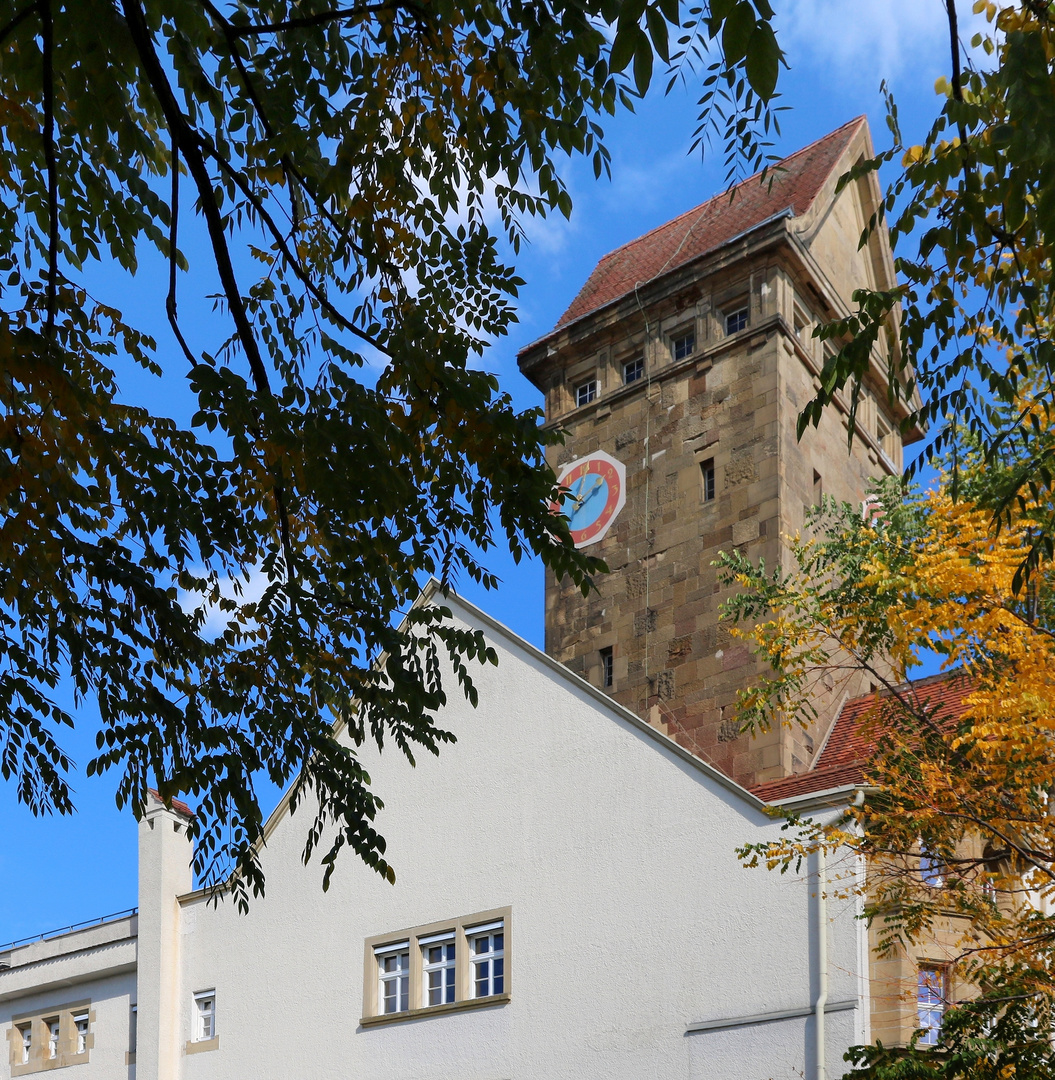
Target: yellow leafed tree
pixel 957 823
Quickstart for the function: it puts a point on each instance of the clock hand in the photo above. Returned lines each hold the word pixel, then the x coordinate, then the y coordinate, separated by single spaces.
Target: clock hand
pixel 585 495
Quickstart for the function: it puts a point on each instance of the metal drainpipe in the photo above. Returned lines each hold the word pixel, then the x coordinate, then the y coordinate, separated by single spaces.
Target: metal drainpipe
pixel 822 957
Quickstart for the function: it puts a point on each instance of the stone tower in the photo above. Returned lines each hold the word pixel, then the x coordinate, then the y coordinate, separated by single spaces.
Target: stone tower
pixel 677 374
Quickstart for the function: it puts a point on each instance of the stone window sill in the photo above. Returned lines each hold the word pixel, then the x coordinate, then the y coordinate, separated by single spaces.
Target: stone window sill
pixel 435 1010
pixel 203 1045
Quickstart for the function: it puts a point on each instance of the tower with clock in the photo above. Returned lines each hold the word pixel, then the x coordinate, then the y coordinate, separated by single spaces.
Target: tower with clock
pixel 677 375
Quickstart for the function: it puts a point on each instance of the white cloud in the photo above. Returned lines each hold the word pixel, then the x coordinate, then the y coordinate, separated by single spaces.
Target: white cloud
pixel 246 590
pixel 864 41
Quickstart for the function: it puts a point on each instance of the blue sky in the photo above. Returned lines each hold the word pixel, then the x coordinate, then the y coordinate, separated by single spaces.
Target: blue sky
pixel 61 871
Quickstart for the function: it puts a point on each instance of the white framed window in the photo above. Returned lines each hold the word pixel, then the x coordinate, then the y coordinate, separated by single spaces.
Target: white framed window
pixel 931 995
pixel 204 1015
pixel 393 974
pixel 585 392
pixel 457 964
pixel 25 1032
pixel 53 1036
pixel 80 1025
pixel 683 344
pixel 633 370
pixel 736 320
pixel 438 957
pixel 487 959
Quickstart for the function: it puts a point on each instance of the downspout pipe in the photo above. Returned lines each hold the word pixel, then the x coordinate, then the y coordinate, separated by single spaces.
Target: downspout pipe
pixel 822 958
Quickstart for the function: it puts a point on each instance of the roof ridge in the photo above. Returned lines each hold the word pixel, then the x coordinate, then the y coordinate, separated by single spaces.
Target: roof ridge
pixel 727 192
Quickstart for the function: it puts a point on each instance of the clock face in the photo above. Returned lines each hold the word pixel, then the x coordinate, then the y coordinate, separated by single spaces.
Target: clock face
pixel 597 485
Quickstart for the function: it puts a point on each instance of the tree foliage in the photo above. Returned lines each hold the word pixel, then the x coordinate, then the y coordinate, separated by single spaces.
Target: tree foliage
pixel 973 228
pixel 957 822
pixel 338 165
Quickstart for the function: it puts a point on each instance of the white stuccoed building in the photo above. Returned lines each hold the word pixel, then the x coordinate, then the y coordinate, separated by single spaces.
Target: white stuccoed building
pixel 568 904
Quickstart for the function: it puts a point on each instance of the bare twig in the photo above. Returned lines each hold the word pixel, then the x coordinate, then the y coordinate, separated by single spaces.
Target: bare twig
pixel 170 301
pixel 48 77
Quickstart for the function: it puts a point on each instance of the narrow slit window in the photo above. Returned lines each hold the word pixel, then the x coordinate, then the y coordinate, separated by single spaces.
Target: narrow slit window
pixel 487 959
pixel 53 1037
pixel 818 489
pixel 394 976
pixel 735 321
pixel 607 667
pixel 438 965
pixel 586 392
pixel 931 995
pixel 26 1034
pixel 634 370
pixel 684 344
pixel 707 479
pixel 133 1024
pixel 80 1023
pixel 204 1015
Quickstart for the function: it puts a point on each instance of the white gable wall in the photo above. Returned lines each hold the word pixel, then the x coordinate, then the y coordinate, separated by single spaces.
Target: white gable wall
pixel 631 916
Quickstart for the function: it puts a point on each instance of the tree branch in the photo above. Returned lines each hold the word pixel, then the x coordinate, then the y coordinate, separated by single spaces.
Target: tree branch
pixel 17 21
pixel 186 139
pixel 170 300
pixel 306 21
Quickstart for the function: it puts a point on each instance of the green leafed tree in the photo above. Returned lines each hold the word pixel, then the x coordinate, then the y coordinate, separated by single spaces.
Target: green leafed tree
pixel 334 162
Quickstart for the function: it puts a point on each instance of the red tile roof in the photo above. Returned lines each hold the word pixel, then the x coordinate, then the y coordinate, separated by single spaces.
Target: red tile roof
pixel 179 807
pixel 796 182
pixel 840 762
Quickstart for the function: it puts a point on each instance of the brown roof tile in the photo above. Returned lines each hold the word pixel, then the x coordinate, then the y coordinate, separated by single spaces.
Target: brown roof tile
pixel 797 180
pixel 850 743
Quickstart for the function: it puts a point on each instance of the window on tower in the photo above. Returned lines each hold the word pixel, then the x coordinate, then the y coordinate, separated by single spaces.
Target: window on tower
pixel 684 344
pixel 736 320
pixel 707 479
pixel 633 370
pixel 585 392
pixel 607 667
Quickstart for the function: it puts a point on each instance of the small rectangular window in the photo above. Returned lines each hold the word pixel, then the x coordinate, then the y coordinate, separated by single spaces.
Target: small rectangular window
pixel 802 324
pixel 53 1036
pixel 25 1032
pixel 80 1023
pixel 586 392
pixel 684 345
pixel 394 979
pixel 931 995
pixel 818 489
pixel 438 966
pixel 487 958
pixel 707 478
pixel 735 321
pixel 634 370
pixel 607 669
pixel 205 1015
